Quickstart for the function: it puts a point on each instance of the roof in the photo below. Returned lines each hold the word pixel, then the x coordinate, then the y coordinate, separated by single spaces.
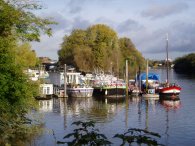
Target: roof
pixel 151 76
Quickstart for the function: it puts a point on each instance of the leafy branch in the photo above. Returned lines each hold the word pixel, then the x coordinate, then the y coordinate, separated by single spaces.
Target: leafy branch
pixel 139 136
pixel 86 134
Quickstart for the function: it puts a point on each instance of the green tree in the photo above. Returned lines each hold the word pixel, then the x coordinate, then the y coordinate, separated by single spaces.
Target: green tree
pixel 104 43
pixel 83 58
pixel 130 53
pixel 25 56
pixel 98 47
pixel 185 64
pixel 16 90
pixel 20 22
pixel 71 45
pixel 99 41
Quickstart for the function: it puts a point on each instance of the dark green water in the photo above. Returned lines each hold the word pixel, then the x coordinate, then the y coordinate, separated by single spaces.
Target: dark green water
pixel 174 121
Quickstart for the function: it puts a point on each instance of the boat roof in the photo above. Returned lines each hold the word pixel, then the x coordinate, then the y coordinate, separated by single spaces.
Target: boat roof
pixel 151 76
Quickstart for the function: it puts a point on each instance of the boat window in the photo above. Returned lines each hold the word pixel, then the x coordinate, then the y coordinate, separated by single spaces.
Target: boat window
pixel 48 89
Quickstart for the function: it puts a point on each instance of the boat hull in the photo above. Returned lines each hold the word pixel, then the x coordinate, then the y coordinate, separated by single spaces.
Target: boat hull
pixel 109 91
pixel 169 92
pixel 44 97
pixel 80 92
pixel 154 96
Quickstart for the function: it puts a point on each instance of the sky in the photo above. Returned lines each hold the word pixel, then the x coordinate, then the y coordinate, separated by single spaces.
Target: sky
pixel 145 22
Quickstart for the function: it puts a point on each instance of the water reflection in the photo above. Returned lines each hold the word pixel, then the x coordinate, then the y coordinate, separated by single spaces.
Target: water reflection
pixel 171 104
pixel 130 112
pixel 166 117
pixel 99 110
pixel 45 105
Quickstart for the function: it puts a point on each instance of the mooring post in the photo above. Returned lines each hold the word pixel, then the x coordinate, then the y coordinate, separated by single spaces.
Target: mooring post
pixel 65 95
pixel 127 82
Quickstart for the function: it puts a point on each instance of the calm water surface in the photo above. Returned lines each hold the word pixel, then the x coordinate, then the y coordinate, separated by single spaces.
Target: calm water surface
pixel 174 121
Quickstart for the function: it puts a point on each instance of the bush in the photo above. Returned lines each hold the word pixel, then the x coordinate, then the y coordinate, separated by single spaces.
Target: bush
pixel 86 134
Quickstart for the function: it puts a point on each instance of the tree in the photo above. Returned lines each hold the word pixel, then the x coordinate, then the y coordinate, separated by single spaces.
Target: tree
pixel 83 58
pixel 70 45
pixel 104 43
pixel 98 47
pixel 20 22
pixel 99 41
pixel 185 64
pixel 16 90
pixel 25 56
pixel 130 53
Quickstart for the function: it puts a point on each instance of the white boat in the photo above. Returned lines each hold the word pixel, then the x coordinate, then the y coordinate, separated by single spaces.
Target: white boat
pixel 80 91
pixel 80 88
pixel 45 92
pixel 151 94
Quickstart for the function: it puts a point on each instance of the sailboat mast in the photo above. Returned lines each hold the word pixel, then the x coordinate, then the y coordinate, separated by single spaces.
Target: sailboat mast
pixel 146 75
pixel 167 61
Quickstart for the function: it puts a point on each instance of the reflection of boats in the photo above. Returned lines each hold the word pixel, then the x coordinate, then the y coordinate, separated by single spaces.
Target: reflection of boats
pixel 46 105
pixel 169 104
pixel 150 95
pixel 167 89
pixel 176 103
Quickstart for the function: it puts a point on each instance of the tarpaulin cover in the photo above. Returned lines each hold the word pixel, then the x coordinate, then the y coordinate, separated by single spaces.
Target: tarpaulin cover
pixel 151 76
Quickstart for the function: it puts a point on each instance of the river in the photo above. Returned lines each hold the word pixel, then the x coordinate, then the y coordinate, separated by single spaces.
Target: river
pixel 174 121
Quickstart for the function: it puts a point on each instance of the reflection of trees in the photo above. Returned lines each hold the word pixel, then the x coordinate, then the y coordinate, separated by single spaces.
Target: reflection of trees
pixel 97 110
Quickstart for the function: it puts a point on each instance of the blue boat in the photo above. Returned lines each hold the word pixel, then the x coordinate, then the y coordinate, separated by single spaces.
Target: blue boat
pixel 153 81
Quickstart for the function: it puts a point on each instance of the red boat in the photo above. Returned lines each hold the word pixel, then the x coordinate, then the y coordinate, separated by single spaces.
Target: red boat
pixel 169 90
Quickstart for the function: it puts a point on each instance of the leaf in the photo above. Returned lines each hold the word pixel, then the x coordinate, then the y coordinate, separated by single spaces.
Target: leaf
pixel 69 135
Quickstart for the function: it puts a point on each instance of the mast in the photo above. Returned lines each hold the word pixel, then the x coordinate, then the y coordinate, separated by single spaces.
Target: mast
pixel 167 61
pixel 146 75
pixel 65 95
pixel 127 81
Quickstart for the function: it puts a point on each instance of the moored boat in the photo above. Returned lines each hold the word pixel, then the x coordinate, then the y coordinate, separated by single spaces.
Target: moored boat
pixel 114 88
pixel 168 90
pixel 108 85
pixel 45 92
pixel 133 88
pixel 80 91
pixel 150 94
pixel 149 88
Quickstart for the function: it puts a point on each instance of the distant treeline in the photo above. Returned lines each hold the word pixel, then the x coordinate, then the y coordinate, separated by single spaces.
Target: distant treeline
pixel 185 64
pixel 159 63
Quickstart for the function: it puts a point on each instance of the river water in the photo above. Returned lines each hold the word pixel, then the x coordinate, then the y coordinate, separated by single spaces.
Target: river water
pixel 174 121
